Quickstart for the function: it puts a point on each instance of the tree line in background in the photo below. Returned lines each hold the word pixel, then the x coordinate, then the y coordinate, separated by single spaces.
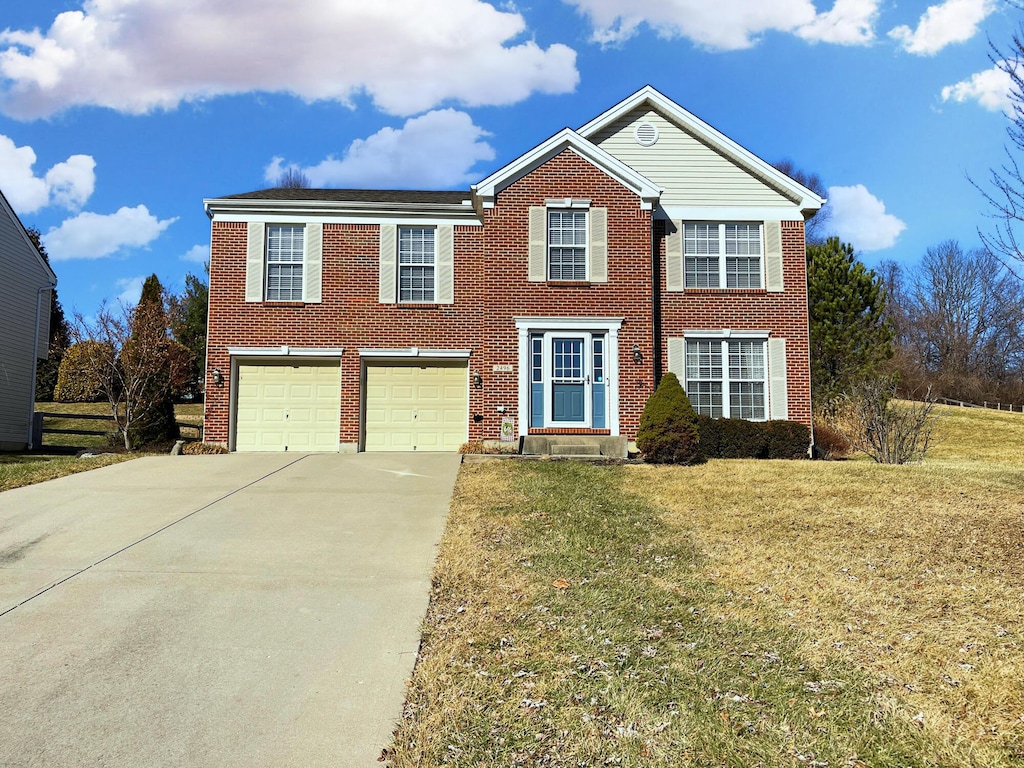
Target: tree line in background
pixel 139 359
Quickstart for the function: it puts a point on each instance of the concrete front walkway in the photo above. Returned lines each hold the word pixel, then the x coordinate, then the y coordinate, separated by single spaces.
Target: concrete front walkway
pixel 241 610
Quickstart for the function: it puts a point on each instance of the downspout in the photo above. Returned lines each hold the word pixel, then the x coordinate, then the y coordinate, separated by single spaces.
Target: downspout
pixel 35 364
pixel 656 300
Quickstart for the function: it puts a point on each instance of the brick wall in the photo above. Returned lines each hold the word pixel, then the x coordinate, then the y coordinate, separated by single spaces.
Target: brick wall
pixel 784 314
pixel 491 289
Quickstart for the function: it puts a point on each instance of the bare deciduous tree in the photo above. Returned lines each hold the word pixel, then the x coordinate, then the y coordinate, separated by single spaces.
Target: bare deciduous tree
pixel 293 178
pixel 816 228
pixel 887 431
pixel 135 362
pixel 959 322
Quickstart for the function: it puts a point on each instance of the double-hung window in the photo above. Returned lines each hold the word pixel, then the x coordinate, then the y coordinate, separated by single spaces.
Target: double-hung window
pixel 727 378
pixel 416 264
pixel 719 255
pixel 567 244
pixel 285 249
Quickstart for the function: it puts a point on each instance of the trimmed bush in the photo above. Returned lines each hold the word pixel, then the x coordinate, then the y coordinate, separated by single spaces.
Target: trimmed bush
pixel 668 426
pixel 202 449
pixel 741 439
pixel 78 378
pixel 788 440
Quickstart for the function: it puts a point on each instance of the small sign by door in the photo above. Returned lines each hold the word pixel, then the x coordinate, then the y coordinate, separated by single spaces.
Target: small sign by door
pixel 508 429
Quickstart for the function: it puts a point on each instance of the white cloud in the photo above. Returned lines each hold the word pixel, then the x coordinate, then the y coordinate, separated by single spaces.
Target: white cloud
pixel 990 88
pixel 137 56
pixel 200 254
pixel 93 236
pixel 953 21
pixel 850 22
pixel 68 184
pixel 434 151
pixel 130 290
pixel 859 218
pixel 729 24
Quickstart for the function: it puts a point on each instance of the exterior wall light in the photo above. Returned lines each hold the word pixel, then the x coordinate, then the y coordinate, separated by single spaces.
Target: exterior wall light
pixel 638 356
pixel 478 380
pixel 218 377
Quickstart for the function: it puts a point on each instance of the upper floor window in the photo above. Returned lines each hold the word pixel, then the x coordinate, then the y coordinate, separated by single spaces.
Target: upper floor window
pixel 285 251
pixel 416 264
pixel 567 245
pixel 722 255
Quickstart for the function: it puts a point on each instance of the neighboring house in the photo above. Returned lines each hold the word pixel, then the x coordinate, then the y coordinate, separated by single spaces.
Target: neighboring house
pixel 543 302
pixel 26 287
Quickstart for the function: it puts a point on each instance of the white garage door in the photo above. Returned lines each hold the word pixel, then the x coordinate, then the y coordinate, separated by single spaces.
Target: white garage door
pixel 288 407
pixel 414 408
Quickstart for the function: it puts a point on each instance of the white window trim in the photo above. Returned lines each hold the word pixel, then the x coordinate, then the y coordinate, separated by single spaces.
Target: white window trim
pixel 398 265
pixel 573 206
pixel 267 262
pixel 525 326
pixel 724 337
pixel 723 278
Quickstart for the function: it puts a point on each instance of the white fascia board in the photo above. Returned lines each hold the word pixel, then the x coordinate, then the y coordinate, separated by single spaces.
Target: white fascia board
pixel 285 351
pixel 807 200
pixel 725 333
pixel 568 323
pixel 728 213
pixel 416 352
pixel 340 218
pixel 567 138
pixel 231 209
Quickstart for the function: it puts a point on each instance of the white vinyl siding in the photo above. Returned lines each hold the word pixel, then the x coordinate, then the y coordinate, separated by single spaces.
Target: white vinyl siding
pixel 722 255
pixel 23 276
pixel 690 172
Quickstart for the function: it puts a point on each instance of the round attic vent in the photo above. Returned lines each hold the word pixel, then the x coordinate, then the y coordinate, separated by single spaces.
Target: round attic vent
pixel 646 134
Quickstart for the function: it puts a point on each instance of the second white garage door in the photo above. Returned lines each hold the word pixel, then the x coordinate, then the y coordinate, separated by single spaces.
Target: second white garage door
pixel 288 407
pixel 415 408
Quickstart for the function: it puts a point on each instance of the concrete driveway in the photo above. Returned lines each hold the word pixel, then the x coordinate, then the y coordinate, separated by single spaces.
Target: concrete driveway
pixel 241 610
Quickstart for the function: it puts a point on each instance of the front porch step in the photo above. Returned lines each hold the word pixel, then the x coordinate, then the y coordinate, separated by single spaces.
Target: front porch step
pixel 583 446
pixel 575 450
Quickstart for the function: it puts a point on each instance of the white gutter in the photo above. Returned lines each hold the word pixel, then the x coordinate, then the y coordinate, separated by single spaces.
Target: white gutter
pixel 35 364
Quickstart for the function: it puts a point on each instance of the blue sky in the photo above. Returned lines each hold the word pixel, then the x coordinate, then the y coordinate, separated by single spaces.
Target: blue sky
pixel 117 117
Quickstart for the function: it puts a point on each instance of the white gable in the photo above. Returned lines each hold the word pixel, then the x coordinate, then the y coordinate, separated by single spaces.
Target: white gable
pixel 689 171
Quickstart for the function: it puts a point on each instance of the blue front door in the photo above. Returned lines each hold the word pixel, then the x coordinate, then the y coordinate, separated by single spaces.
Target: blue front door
pixel 568 381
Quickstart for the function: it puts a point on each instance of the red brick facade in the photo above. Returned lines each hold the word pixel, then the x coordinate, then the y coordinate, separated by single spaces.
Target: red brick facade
pixel 492 289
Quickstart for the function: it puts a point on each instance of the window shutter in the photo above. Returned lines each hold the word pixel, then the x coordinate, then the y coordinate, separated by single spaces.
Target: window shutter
pixel 538 243
pixel 674 255
pixel 312 267
pixel 598 245
pixel 677 358
pixel 255 255
pixel 778 395
pixel 388 277
pixel 444 265
pixel 773 256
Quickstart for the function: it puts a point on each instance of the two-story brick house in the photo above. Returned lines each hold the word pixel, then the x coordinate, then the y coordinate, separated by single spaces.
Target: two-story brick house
pixel 546 300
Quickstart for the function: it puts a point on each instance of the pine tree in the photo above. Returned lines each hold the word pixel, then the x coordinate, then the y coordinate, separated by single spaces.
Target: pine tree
pixel 668 425
pixel 150 330
pixel 850 336
pixel 188 325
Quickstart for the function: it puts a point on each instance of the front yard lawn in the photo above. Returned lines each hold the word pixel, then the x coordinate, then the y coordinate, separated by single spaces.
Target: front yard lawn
pixel 739 613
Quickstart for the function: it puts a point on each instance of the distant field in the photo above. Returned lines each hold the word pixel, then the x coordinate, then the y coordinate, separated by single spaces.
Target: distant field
pixel 738 613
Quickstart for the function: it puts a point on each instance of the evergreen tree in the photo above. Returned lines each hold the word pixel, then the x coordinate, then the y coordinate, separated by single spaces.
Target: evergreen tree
pixel 60 336
pixel 668 425
pixel 849 333
pixel 150 329
pixel 188 325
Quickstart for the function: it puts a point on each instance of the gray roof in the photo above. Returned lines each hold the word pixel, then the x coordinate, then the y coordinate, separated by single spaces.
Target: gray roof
pixel 356 195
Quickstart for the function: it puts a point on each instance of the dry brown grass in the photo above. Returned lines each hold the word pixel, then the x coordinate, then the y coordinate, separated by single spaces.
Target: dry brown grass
pixel 914 574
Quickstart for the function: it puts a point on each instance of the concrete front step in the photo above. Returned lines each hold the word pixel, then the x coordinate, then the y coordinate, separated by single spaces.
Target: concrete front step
pixel 588 446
